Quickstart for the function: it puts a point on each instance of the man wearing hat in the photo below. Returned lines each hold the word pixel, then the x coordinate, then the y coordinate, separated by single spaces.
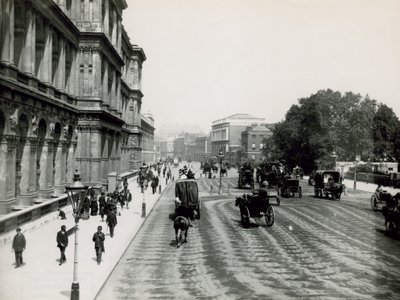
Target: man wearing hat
pixel 98 239
pixel 62 242
pixel 18 247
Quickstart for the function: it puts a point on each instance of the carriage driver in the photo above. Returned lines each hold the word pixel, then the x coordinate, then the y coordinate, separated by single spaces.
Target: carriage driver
pixel 260 195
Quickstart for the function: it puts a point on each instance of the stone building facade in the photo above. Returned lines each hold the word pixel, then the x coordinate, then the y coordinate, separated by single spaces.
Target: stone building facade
pixel 226 134
pixel 70 96
pixel 147 133
pixel 253 141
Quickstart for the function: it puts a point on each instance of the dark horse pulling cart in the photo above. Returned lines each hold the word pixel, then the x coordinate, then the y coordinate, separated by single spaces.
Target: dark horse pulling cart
pixel 187 192
pixel 391 212
pixel 253 206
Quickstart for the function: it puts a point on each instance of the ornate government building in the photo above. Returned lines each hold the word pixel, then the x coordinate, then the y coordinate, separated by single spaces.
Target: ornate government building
pixel 70 96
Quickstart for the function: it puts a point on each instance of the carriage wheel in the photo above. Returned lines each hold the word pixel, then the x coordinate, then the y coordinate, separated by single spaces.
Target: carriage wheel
pixel 300 192
pixel 374 202
pixel 269 216
pixel 244 215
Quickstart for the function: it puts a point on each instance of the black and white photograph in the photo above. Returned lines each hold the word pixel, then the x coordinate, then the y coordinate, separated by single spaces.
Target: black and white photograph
pixel 199 149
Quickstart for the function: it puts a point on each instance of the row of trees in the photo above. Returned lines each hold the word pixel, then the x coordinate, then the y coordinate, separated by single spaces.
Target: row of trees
pixel 348 124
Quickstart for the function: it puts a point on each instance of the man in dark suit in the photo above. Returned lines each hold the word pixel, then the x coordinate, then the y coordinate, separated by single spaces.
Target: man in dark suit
pixel 62 243
pixel 18 246
pixel 111 222
pixel 98 239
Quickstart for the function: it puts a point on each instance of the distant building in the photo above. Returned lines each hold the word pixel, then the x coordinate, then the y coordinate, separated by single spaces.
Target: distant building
pixel 253 142
pixel 226 133
pixel 202 148
pixel 166 146
pixel 147 131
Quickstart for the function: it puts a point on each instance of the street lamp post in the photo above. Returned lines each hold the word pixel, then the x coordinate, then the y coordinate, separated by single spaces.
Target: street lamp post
pixel 334 159
pixel 220 158
pixel 76 194
pixel 355 174
pixel 143 170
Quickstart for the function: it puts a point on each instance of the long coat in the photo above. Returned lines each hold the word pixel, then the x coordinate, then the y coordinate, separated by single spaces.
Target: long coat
pixel 98 239
pixel 111 219
pixel 19 242
pixel 62 239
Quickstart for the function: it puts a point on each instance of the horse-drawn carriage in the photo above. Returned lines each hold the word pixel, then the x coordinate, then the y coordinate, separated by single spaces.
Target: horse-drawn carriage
pixel 253 206
pixel 380 198
pixel 187 192
pixel 291 187
pixel 328 183
pixel 391 212
pixel 246 177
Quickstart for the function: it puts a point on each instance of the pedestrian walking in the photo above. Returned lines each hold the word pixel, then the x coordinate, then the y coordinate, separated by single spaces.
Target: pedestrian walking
pixel 154 184
pixel 111 222
pixel 98 239
pixel 94 207
pixel 128 198
pixel 62 243
pixel 102 204
pixel 18 246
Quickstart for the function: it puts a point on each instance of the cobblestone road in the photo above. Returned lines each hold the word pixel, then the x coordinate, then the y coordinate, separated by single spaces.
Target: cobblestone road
pixel 317 249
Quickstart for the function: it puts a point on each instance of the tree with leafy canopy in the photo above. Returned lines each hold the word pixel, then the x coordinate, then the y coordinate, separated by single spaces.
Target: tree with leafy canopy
pixel 323 123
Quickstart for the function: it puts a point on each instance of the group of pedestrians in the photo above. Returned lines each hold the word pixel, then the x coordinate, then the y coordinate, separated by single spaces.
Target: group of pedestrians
pixel 108 207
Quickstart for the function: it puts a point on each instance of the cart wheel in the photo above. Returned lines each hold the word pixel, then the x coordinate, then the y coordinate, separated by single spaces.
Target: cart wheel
pixel 300 192
pixel 269 216
pixel 244 215
pixel 374 202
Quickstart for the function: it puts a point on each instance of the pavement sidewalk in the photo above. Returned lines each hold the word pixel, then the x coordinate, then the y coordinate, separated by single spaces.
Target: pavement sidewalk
pixel 42 277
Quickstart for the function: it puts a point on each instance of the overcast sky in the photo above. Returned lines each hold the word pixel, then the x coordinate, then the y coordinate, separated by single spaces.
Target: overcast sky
pixel 207 59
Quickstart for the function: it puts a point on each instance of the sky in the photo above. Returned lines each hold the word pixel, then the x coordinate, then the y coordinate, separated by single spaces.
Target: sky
pixel 208 59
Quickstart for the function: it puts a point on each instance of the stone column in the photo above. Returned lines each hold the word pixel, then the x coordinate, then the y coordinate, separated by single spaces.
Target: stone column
pixel 118 96
pixel 49 165
pixel 28 65
pixel 97 86
pixel 104 156
pixel 114 29
pixel 95 155
pixel 44 191
pixel 71 162
pixel 113 98
pixel 46 63
pixel 7 173
pixel 106 25
pixel 7 33
pixel 72 77
pixel 25 174
pixel 58 167
pixel 111 154
pixel 73 12
pixel 119 35
pixel 105 92
pixel 60 72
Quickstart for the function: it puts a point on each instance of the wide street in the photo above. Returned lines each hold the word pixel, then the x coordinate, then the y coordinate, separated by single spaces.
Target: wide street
pixel 317 248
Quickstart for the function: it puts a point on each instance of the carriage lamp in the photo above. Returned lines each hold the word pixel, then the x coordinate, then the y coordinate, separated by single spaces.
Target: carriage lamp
pixel 76 194
pixel 220 158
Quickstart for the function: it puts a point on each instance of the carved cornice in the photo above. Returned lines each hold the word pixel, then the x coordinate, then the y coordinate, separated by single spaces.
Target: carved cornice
pixel 89 128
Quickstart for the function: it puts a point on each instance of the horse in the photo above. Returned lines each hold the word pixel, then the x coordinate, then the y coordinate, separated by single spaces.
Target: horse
pixel 181 226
